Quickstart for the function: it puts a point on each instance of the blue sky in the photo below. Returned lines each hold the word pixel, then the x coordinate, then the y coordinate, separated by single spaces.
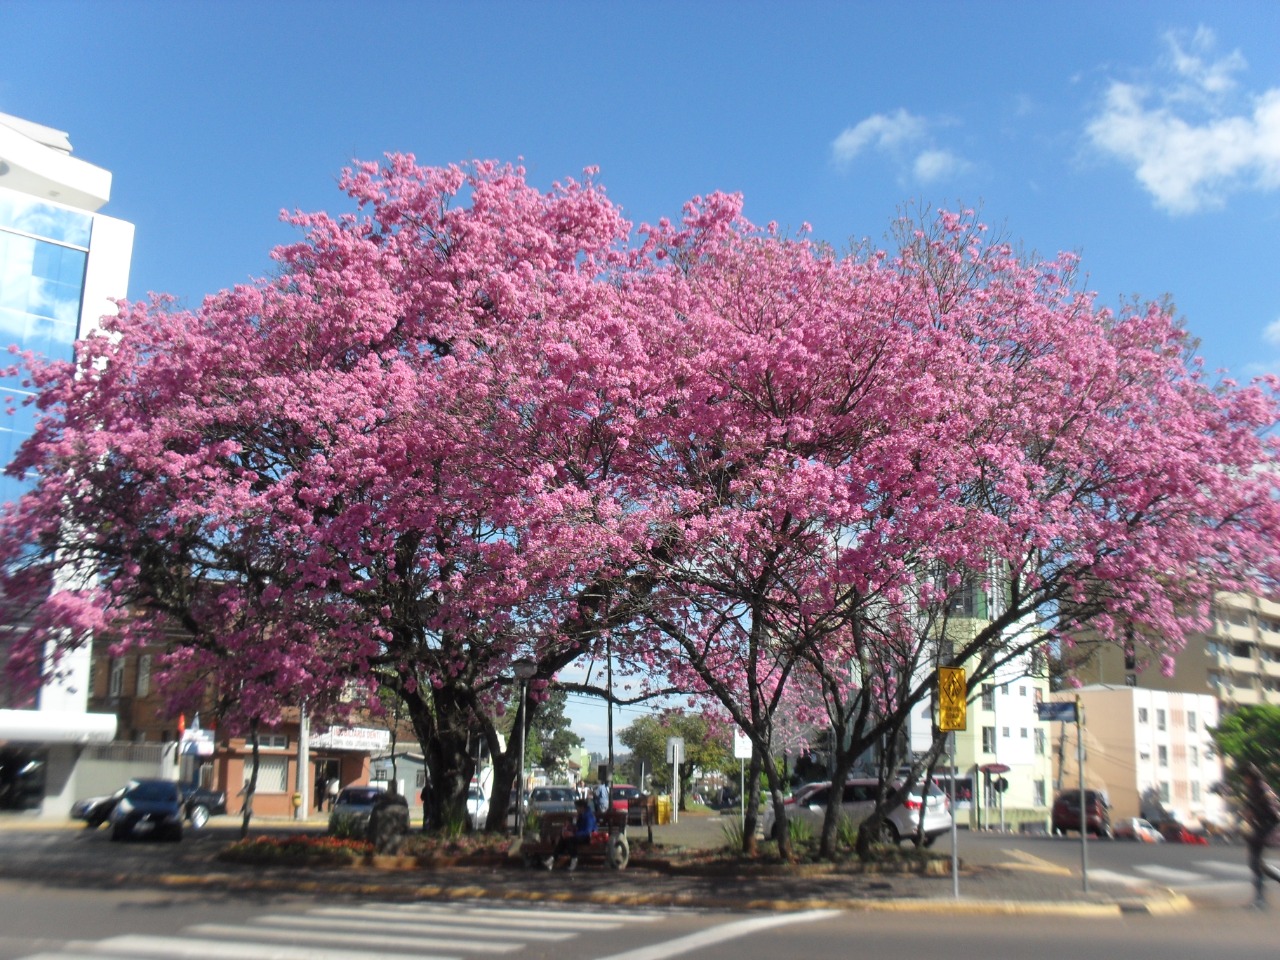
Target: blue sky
pixel 1144 136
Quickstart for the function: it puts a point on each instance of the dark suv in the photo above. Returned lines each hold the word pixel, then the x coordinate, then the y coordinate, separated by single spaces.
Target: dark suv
pixel 1097 818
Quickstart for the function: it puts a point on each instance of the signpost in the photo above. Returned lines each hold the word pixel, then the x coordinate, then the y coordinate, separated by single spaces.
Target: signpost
pixel 742 750
pixel 953 715
pixel 675 757
pixel 1071 712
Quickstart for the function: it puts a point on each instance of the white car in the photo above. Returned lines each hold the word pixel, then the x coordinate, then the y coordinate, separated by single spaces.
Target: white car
pixel 1135 828
pixel 477 807
pixel 809 804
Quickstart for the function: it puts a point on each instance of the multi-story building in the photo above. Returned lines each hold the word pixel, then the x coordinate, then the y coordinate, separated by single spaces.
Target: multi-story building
pixel 1150 750
pixel 1237 660
pixel 1003 768
pixel 61 263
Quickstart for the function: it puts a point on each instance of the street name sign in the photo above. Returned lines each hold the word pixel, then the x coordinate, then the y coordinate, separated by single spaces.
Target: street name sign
pixel 1064 710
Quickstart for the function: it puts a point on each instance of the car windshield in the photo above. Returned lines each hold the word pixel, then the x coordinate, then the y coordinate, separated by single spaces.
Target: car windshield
pixel 154 791
pixel 359 795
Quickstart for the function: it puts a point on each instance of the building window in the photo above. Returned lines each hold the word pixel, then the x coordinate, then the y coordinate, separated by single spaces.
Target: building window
pixel 144 675
pixel 1193 756
pixel 116 687
pixel 1038 793
pixel 1142 714
pixel 1024 733
pixel 1022 691
pixel 1164 791
pixel 1162 756
pixel 1039 742
pixel 1191 720
pixel 1160 722
pixel 988 697
pixel 1195 791
pixel 273 741
pixel 272 774
pixel 1004 733
pixel 988 739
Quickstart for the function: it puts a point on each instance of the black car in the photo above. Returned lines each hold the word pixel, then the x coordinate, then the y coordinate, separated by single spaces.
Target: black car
pixel 149 807
pixel 198 804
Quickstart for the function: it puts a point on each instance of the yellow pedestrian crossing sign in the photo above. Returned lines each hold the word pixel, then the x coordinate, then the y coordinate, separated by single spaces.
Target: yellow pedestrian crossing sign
pixel 953 700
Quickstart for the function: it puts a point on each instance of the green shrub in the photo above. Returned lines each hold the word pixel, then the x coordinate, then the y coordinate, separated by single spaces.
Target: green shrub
pixel 346 826
pixel 297 850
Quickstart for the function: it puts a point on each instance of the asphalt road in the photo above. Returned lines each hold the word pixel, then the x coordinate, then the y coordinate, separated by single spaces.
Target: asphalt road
pixel 51 923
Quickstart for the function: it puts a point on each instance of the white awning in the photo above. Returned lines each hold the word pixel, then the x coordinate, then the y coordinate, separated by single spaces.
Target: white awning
pixel 48 726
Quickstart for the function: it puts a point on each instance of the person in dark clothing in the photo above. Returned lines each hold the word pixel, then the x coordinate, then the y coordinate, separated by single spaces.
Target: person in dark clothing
pixel 583 827
pixel 1261 813
pixel 426 805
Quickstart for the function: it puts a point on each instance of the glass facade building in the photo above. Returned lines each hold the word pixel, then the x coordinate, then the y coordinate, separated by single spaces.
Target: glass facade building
pixel 44 251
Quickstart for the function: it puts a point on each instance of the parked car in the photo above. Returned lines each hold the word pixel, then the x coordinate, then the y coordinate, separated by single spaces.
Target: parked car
pixel 1175 832
pixel 477 807
pixel 350 812
pixel 1097 818
pixel 552 800
pixel 198 804
pixel 1135 828
pixel 94 811
pixel 809 804
pixel 624 796
pixel 149 807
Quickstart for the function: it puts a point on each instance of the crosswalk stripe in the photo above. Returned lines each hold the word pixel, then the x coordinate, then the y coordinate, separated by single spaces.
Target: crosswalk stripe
pixel 1225 868
pixel 548 914
pixel 522 919
pixel 236 931
pixel 1167 874
pixel 1113 876
pixel 315 921
pixel 180 948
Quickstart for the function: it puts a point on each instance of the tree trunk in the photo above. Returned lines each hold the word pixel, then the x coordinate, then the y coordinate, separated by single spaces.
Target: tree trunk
pixel 251 785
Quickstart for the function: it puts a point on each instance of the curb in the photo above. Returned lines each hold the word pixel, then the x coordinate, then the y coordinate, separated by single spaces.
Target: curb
pixel 1169 904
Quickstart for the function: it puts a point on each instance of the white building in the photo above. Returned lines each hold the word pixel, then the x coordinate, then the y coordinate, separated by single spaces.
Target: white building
pixel 1148 749
pixel 61 262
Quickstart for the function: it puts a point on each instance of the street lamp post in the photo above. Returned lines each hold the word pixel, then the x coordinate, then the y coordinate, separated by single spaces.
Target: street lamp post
pixel 524 670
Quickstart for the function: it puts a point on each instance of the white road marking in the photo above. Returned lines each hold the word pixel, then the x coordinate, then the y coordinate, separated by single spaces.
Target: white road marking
pixel 179 948
pixel 403 925
pixel 515 918
pixel 719 934
pixel 1168 874
pixel 238 931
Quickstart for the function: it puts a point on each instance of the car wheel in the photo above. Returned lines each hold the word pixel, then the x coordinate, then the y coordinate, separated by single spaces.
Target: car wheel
pixel 891 833
pixel 199 816
pixel 930 839
pixel 618 852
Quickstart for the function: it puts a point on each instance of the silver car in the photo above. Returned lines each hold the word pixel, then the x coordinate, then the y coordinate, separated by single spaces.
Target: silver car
pixel 809 804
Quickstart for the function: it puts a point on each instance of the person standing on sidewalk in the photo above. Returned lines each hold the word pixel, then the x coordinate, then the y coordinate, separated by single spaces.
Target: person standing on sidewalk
pixel 1262 814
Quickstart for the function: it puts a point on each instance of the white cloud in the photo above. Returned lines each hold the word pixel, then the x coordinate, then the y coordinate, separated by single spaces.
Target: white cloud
pixel 1190 143
pixel 903 137
pixel 878 130
pixel 932 165
pixel 1272 333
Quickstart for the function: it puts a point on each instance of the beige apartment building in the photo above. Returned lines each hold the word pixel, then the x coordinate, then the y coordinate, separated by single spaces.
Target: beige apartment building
pixel 1238 661
pixel 1150 750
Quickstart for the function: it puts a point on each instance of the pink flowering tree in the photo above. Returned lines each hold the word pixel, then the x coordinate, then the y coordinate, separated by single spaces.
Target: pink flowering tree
pixel 863 438
pixel 398 463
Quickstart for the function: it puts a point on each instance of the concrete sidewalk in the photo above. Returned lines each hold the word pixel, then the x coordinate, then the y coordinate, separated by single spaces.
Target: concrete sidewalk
pixel 1019 884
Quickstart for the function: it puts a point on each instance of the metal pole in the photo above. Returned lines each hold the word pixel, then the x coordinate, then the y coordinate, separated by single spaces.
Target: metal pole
pixel 524 735
pixel 304 765
pixel 608 653
pixel 1084 816
pixel 955 854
